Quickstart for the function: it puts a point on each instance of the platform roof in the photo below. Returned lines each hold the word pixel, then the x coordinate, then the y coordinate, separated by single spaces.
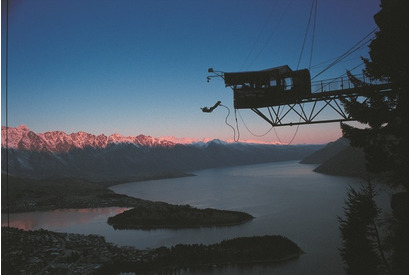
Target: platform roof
pixel 254 76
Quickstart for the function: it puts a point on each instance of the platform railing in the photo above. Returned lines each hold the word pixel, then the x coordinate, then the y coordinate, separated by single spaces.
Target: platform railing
pixel 340 83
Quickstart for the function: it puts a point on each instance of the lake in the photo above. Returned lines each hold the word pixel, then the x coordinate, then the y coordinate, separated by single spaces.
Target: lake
pixel 286 198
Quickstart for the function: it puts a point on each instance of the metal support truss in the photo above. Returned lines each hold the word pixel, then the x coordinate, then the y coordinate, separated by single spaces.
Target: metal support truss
pixel 322 107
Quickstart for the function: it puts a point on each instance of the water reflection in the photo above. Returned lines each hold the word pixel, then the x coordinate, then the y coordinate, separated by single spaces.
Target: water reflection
pixel 285 198
pixel 60 219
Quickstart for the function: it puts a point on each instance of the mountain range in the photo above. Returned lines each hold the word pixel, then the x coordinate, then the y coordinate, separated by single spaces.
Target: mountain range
pixel 23 138
pixel 118 158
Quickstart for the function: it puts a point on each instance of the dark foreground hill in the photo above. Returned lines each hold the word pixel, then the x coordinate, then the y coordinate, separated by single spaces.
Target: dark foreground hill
pixel 338 158
pixel 327 152
pixel 349 162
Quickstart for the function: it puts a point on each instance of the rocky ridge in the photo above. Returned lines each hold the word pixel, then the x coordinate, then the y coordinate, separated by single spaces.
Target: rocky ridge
pixel 23 138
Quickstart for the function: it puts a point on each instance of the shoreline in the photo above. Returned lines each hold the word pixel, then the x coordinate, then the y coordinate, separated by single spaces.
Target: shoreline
pixel 86 254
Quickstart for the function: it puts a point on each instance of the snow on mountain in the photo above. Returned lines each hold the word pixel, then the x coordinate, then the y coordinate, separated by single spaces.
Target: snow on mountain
pixel 58 141
pixel 22 137
pixel 185 140
pixel 82 155
pixel 14 135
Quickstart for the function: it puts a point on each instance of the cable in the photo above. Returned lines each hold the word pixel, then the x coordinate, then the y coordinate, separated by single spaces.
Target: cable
pixel 237 126
pixel 306 33
pixel 260 33
pixel 7 115
pixel 256 135
pixel 322 64
pixel 274 130
pixel 297 129
pixel 272 33
pixel 313 35
pixel 226 122
pixel 314 5
pixel 347 53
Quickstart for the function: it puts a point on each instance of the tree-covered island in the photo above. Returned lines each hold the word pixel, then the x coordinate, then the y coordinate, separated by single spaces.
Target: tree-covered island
pixel 164 215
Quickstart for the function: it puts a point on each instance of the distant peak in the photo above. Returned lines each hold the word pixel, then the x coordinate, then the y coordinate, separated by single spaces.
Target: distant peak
pixel 23 127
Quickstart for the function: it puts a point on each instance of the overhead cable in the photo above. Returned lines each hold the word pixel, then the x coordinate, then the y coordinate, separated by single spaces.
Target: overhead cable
pixel 260 33
pixel 272 33
pixel 356 47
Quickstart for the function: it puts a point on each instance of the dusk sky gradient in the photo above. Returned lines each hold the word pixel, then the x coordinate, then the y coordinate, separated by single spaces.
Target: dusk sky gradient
pixel 140 67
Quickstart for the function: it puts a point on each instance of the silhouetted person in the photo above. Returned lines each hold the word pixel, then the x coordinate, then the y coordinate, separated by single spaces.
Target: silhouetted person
pixel 208 110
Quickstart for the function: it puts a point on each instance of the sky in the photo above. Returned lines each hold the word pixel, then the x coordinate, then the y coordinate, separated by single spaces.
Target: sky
pixel 139 67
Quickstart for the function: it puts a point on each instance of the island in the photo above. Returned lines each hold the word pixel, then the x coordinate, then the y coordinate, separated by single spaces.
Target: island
pixel 47 252
pixel 164 215
pixel 41 195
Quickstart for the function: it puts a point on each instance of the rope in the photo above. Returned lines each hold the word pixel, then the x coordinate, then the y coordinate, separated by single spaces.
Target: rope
pixel 237 126
pixel 294 135
pixel 226 122
pixel 256 135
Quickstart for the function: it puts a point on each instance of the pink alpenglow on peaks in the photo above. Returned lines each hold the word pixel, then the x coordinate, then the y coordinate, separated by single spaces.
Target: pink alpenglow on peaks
pixel 23 138
pixel 184 140
pixel 58 141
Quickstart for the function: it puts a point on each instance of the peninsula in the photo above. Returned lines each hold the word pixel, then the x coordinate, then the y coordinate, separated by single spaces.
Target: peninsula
pixel 47 252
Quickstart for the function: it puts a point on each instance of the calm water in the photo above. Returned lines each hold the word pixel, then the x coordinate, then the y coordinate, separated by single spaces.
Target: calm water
pixel 285 198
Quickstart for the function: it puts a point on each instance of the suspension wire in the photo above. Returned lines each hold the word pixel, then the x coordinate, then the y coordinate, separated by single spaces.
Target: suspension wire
pixel 323 63
pixel 237 125
pixel 313 8
pixel 226 122
pixel 339 59
pixel 256 57
pixel 272 33
pixel 313 35
pixel 314 5
pixel 274 130
pixel 256 135
pixel 260 34
pixel 294 135
pixel 355 47
pixel 306 33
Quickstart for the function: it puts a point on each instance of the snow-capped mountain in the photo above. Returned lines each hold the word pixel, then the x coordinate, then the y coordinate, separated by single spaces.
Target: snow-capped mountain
pixel 58 142
pixel 82 155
